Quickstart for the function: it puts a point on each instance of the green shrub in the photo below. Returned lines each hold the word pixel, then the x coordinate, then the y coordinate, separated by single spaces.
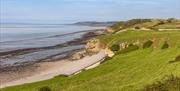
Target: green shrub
pixel 115 47
pixel 165 45
pixel 131 44
pixel 128 49
pixel 137 27
pixel 45 88
pixel 147 44
pixel 172 83
pixel 177 58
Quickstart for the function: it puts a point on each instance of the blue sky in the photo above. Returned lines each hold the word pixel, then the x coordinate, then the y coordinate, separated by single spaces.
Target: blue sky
pixel 66 11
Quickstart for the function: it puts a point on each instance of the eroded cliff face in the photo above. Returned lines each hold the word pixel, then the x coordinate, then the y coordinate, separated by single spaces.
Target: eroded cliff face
pixel 109 30
pixel 94 46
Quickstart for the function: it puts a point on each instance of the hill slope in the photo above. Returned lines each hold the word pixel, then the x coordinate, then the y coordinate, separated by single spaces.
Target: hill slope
pixel 130 71
pixel 154 24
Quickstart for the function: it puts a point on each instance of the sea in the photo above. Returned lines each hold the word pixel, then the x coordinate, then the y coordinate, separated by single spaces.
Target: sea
pixel 24 36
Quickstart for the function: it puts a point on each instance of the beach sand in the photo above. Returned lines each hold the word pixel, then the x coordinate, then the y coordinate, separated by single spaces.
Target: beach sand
pixel 48 70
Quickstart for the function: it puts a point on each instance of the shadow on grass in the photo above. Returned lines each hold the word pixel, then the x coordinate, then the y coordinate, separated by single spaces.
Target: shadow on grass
pixel 170 83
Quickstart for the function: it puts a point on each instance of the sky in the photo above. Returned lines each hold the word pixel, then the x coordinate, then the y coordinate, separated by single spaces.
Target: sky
pixel 67 11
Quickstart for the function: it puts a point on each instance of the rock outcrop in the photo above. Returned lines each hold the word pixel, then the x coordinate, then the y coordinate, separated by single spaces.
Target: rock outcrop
pixel 78 55
pixel 109 30
pixel 94 46
pixel 123 45
pixel 108 52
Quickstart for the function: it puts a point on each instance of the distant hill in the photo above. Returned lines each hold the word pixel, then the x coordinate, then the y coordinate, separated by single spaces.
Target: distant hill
pixel 154 24
pixel 94 23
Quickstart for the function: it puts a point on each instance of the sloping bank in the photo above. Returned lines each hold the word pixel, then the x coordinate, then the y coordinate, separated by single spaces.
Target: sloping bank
pixel 92 57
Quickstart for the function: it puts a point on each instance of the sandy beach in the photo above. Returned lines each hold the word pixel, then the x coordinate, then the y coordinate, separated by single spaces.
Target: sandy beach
pixel 57 61
pixel 47 70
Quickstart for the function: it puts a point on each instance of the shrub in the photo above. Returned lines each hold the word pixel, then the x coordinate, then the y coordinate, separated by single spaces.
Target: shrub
pixel 115 47
pixel 147 44
pixel 137 27
pixel 172 83
pixel 131 44
pixel 128 49
pixel 45 88
pixel 165 45
pixel 177 58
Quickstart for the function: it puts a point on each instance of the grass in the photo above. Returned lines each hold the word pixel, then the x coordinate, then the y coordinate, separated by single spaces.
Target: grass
pixel 132 36
pixel 124 72
pixel 169 83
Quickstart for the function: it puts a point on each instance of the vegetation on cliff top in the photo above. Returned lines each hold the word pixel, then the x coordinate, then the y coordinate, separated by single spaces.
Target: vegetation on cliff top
pixel 154 24
pixel 135 70
pixel 125 72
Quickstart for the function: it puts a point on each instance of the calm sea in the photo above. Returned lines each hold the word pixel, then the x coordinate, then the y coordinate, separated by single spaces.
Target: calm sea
pixel 22 36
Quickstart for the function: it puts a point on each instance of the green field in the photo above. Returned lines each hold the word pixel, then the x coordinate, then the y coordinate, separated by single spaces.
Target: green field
pixel 124 72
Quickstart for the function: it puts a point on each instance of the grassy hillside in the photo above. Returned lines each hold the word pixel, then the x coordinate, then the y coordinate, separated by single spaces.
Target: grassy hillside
pixel 154 24
pixel 124 72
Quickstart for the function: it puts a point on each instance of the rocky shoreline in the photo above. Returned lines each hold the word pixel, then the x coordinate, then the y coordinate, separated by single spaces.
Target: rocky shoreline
pixel 18 71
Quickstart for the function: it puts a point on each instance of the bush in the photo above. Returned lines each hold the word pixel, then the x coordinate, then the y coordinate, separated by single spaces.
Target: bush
pixel 147 44
pixel 44 89
pixel 115 47
pixel 128 49
pixel 165 45
pixel 131 44
pixel 137 27
pixel 177 59
pixel 172 83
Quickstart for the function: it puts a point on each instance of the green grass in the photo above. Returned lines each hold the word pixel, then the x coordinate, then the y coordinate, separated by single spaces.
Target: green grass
pixel 169 83
pixel 124 72
pixel 131 36
pixel 169 26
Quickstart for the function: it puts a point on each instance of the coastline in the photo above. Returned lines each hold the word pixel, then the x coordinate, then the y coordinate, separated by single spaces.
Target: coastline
pixel 47 70
pixel 65 48
pixel 44 69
